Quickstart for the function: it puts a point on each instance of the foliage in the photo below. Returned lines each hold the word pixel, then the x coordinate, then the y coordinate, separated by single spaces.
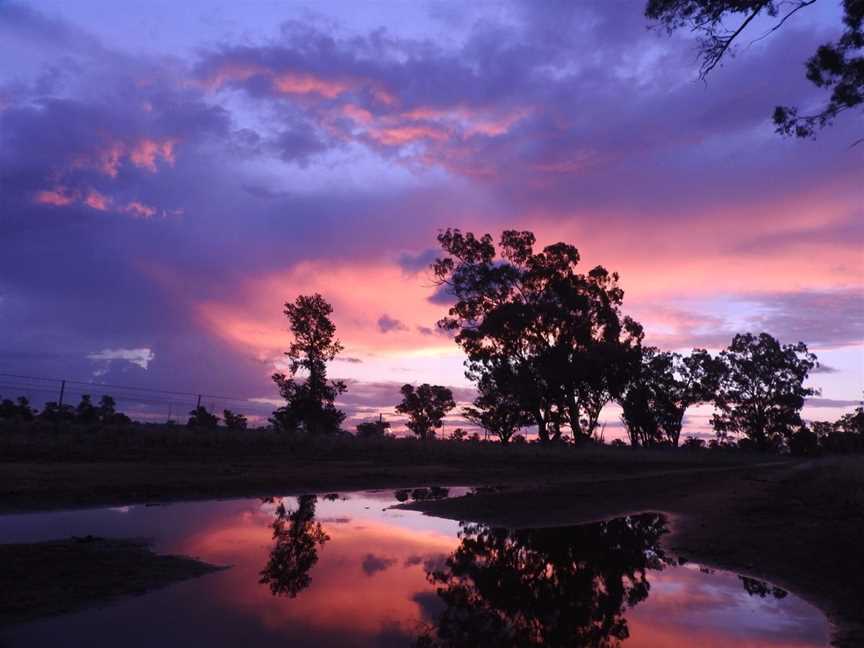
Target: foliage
pixel 762 389
pixel 553 336
pixel 837 66
pixel 425 407
pixel 497 408
pixel 803 443
pixel 234 421
pixel 373 429
pixel 18 410
pixel 661 390
pixel 297 537
pixel 693 443
pixel 310 402
pixel 201 419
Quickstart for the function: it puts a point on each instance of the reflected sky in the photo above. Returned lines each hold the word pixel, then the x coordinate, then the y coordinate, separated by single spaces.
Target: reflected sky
pixel 373 581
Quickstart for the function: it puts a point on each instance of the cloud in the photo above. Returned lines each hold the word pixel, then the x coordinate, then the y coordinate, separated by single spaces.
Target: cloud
pixel 441 296
pixel 831 402
pixel 387 324
pixel 373 564
pixel 138 357
pixel 417 262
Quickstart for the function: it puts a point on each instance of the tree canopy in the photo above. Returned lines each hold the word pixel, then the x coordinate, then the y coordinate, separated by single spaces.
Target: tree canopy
pixel 425 407
pixel 556 334
pixel 836 66
pixel 761 391
pixel 309 402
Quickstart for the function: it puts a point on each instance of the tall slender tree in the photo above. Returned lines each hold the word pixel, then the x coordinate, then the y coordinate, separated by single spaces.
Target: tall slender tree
pixel 309 401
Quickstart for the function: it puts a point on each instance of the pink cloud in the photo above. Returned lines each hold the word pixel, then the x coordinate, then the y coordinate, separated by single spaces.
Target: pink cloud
pixel 146 152
pixel 96 200
pixel 139 210
pixel 302 83
pixel 57 197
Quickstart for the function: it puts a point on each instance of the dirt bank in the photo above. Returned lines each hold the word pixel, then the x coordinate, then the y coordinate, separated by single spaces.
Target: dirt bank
pixel 45 578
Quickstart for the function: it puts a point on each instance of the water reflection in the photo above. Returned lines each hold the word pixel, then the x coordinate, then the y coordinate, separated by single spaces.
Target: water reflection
pixel 296 537
pixel 347 570
pixel 545 587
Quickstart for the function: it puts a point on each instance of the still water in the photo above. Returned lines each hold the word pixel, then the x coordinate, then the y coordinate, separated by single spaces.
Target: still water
pixel 347 570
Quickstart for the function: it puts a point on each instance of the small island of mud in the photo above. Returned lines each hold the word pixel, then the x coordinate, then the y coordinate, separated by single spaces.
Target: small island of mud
pixel 59 576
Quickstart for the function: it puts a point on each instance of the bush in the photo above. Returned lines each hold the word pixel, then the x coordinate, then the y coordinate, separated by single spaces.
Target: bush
pixel 803 443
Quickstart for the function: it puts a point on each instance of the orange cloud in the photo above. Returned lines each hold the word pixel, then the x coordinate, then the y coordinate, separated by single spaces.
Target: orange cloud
pixel 143 153
pixel 400 135
pixel 301 83
pixel 57 197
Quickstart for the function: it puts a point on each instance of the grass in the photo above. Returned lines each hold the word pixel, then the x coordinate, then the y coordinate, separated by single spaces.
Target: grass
pixel 148 442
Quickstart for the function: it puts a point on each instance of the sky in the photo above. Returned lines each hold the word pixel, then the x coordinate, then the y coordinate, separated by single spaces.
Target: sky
pixel 172 173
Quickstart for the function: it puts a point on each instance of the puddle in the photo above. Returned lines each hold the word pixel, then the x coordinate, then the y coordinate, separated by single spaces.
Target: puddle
pixel 343 569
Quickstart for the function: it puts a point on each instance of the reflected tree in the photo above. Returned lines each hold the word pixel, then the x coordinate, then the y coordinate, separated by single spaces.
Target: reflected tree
pixel 297 537
pixel 545 587
pixel 761 589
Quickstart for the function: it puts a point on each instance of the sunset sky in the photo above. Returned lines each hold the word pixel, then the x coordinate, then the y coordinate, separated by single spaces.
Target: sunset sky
pixel 172 172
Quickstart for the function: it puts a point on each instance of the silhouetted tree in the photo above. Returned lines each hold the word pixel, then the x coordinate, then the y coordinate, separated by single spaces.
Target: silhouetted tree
pixel 56 413
pixel 458 434
pixel 836 66
pixel 567 586
pixel 86 412
pixel 498 407
pixel 556 333
pixel 844 435
pixel 19 410
pixel 693 443
pixel 762 389
pixel 660 391
pixel 761 589
pixel 297 537
pixel 310 402
pixel 852 423
pixel 425 407
pixel 373 429
pixel 201 419
pixel 234 421
pixel 803 442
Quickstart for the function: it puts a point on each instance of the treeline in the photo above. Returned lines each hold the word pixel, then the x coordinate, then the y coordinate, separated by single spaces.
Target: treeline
pixel 103 413
pixel 547 347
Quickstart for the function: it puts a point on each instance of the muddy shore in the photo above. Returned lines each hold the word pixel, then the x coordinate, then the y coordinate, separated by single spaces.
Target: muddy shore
pixel 46 578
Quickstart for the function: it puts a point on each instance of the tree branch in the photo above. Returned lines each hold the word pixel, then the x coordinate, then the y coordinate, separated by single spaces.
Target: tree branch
pixel 715 57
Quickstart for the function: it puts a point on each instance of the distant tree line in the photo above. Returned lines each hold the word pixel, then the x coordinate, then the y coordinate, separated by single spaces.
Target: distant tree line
pixel 547 347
